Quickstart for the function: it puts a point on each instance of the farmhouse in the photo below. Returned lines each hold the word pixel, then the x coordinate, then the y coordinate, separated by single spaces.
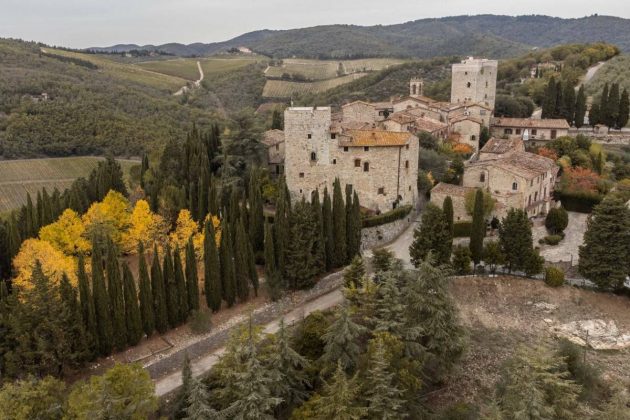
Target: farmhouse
pixel 274 142
pixel 531 130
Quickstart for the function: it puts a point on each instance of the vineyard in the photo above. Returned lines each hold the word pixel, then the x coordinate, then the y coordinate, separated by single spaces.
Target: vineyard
pixel 617 70
pixel 287 89
pixel 19 177
pixel 327 69
pixel 186 68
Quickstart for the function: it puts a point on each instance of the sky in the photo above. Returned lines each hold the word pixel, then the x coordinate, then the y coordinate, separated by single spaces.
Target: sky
pixel 88 23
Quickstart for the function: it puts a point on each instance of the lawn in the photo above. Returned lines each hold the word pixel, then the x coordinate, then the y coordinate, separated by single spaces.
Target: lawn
pixel 287 89
pixel 19 177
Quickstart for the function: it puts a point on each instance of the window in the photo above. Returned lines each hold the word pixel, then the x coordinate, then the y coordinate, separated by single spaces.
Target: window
pixel 486 85
pixel 473 137
pixel 534 131
pixel 535 195
pixel 406 147
pixel 407 164
pixel 531 183
pixel 553 134
pixel 518 131
pixel 468 84
pixel 508 131
pixel 357 163
pixel 381 191
pixel 529 200
pixel 366 148
pixel 278 170
pixel 301 174
pixel 309 135
pixel 334 161
pixel 514 186
pixel 482 177
pixel 313 156
pixel 366 166
pixel 466 73
pixel 345 149
pixel 277 147
pixel 333 136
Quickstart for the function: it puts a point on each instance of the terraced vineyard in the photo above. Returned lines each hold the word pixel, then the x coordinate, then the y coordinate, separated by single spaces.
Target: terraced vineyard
pixel 186 68
pixel 19 177
pixel 328 69
pixel 286 89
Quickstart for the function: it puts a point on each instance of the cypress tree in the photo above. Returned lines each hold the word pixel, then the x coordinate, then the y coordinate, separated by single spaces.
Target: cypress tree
pixel 228 279
pixel 569 103
pixel 144 168
pixel 272 279
pixel 580 107
pixel 213 204
pixel 328 229
pixel 560 102
pixel 159 298
pixel 170 288
pixel 357 223
pixel 550 98
pixel 256 217
pixel 31 225
pixel 40 210
pixel 613 106
pixel 102 308
pixel 212 269
pixel 87 306
pixel 478 229
pixel 192 280
pixel 132 310
pixel 281 226
pixel 204 190
pixel 116 299
pixel 15 239
pixel 447 208
pixel 240 267
pixel 303 251
pixel 433 236
pixel 251 266
pixel 72 322
pixel 180 285
pixel 47 212
pixel 604 110
pixel 276 120
pixel 320 245
pixel 595 115
pixel 624 110
pixel 349 225
pixel 339 226
pixel 147 313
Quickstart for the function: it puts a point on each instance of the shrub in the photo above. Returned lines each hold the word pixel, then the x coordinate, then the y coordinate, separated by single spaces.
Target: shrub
pixel 461 260
pixel 200 322
pixel 582 202
pixel 552 239
pixel 390 216
pixel 585 374
pixel 557 220
pixel 554 277
pixel 461 229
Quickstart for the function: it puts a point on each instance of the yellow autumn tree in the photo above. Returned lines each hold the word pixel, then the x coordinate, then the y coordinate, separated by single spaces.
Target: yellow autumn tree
pixel 110 217
pixel 67 234
pixel 54 263
pixel 146 226
pixel 186 226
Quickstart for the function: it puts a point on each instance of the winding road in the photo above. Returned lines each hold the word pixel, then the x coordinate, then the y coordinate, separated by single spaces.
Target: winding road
pixel 196 83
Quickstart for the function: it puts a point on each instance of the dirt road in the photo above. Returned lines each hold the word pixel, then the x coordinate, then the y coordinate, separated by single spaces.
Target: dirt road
pixel 196 83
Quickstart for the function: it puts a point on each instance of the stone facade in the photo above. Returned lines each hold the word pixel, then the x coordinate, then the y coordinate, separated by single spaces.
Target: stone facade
pixel 468 129
pixel 359 111
pixel 377 236
pixel 474 80
pixel 531 130
pixel 381 166
pixel 274 142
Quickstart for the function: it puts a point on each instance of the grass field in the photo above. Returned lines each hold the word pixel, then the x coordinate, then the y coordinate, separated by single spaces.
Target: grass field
pixel 125 71
pixel 286 89
pixel 19 177
pixel 617 70
pixel 328 69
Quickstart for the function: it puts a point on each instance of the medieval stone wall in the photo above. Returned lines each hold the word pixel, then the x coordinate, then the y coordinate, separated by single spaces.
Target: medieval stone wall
pixel 474 80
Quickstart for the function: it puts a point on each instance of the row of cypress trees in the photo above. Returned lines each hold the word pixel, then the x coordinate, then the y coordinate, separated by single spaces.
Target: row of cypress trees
pixel 612 109
pixel 560 101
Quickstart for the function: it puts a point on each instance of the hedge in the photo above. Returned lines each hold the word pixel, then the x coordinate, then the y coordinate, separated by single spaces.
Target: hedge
pixel 462 229
pixel 581 202
pixel 390 216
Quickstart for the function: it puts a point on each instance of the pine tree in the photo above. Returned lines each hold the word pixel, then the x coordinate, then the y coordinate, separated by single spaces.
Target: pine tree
pixel 384 398
pixel 580 107
pixel 240 268
pixel 192 280
pixel 432 236
pixel 328 229
pixel 291 367
pixel 159 299
pixel 180 285
pixel 212 269
pixel 478 229
pixel 181 400
pixel 132 310
pixel 88 313
pixel 339 226
pixel 340 398
pixel 116 299
pixel 605 252
pixel 170 288
pixel 197 401
pixel 624 110
pixel 515 238
pixel 228 279
pixel 147 310
pixel 102 308
pixel 354 274
pixel 447 209
pixel 342 342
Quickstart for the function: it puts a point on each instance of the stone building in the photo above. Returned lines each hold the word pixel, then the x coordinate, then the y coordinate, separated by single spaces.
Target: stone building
pixel 474 80
pixel 382 166
pixel 532 130
pixel 274 142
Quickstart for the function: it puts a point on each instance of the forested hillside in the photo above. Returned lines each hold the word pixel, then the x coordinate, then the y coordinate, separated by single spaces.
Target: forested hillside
pixel 87 109
pixel 488 35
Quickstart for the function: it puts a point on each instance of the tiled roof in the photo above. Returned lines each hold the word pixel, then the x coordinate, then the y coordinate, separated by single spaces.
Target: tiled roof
pixel 531 123
pixel 525 164
pixel 376 138
pixel 452 190
pixel 460 118
pixel 401 118
pixel 500 146
pixel 273 137
pixel 429 124
pixel 417 98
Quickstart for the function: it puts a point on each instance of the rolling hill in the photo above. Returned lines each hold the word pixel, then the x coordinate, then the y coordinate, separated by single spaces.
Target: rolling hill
pixel 488 35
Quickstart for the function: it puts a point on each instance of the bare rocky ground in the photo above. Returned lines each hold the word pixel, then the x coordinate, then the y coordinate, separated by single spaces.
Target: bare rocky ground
pixel 504 313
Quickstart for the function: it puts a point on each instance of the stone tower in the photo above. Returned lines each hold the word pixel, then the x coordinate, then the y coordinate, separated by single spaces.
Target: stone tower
pixel 474 80
pixel 416 87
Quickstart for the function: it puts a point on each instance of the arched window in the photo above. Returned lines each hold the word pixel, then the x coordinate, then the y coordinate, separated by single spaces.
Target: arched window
pixel 413 89
pixel 514 186
pixel 313 156
pixel 482 177
pixel 366 166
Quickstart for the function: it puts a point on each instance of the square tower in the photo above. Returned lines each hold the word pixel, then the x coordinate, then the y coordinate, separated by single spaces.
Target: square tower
pixel 474 80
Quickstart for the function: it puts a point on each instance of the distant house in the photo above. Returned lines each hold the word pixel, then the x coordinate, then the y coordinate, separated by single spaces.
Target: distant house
pixel 274 142
pixel 532 130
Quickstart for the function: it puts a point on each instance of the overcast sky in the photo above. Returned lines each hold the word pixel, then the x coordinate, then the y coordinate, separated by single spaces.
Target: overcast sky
pixel 86 23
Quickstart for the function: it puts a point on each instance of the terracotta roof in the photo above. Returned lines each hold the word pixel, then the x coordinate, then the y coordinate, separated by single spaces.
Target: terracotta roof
pixel 341 126
pixel 401 118
pixel 273 137
pixel 429 124
pixel 531 123
pixel 500 146
pixel 452 190
pixel 460 118
pixel 376 138
pixel 525 164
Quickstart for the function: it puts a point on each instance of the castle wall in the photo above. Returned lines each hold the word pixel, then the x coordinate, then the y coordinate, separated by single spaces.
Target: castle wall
pixel 469 132
pixel 359 111
pixel 474 80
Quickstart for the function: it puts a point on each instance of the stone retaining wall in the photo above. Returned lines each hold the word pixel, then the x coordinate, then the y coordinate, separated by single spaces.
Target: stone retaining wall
pixel 377 236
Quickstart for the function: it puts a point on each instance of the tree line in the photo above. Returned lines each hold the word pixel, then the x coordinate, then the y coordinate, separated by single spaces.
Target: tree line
pixel 561 101
pixel 612 109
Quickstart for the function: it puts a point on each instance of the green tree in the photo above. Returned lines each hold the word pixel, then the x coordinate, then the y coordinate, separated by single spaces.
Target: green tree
pixel 580 107
pixel 292 367
pixel 146 296
pixel 192 279
pixel 276 120
pixel 354 274
pixel 493 255
pixel 342 342
pixel 198 403
pixel 478 229
pixel 382 259
pixel 116 298
pixel 424 183
pixel 304 250
pixel 228 279
pixel 132 310
pixel 181 400
pixel 31 398
pixel 339 225
pixel 624 110
pixel 557 220
pixel 484 136
pixel 212 269
pixel 604 106
pixel 612 109
pixel 447 209
pixel 170 288
pixel 549 106
pixel 102 307
pixel 605 252
pixel 88 312
pixel 433 235
pixel 159 298
pixel 281 225
pixel 180 285
pixel 241 267
pixel 123 392
pixel 515 238
pixel 340 398
pixel 328 229
pixel 461 260
pixel 488 202
pixel 569 106
pixel 256 217
pixel 272 276
pixel 384 398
